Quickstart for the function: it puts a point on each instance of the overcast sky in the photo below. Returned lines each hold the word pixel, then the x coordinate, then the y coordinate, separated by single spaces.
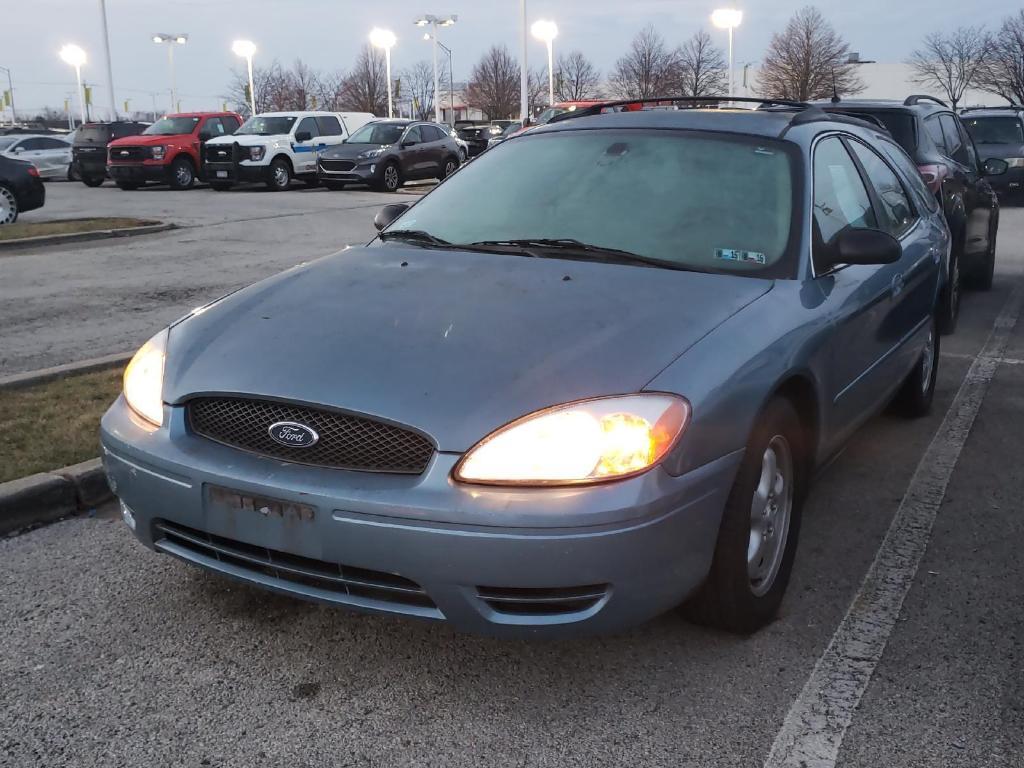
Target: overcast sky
pixel 328 33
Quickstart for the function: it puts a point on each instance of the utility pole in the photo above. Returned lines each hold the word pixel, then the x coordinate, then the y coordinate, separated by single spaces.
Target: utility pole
pixel 524 89
pixel 10 90
pixel 106 52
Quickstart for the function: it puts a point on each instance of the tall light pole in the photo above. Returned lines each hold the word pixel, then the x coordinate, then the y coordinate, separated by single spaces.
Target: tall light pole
pixel 548 31
pixel 75 56
pixel 524 73
pixel 246 49
pixel 385 38
pixel 451 81
pixel 728 18
pixel 434 22
pixel 10 90
pixel 171 40
pixel 106 56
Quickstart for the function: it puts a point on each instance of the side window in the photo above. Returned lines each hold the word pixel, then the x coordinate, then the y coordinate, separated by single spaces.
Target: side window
pixel 896 214
pixel 434 133
pixel 911 176
pixel 215 126
pixel 329 126
pixel 230 123
pixel 47 143
pixel 307 124
pixel 31 144
pixel 125 129
pixel 934 129
pixel 954 144
pixel 413 134
pixel 840 198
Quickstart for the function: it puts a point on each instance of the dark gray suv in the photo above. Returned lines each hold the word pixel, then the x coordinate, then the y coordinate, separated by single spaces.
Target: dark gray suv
pixel 998 133
pixel 387 153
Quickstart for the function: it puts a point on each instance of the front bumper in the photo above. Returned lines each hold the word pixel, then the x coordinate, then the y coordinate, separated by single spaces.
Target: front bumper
pixel 234 173
pixel 491 561
pixel 137 173
pixel 91 165
pixel 360 172
pixel 33 197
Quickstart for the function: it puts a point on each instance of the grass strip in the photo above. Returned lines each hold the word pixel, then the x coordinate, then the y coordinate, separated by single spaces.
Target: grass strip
pixel 23 229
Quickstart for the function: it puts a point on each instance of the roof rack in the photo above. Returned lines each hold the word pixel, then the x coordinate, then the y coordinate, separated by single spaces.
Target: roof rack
pixel 1014 107
pixel 860 117
pixel 691 102
pixel 917 98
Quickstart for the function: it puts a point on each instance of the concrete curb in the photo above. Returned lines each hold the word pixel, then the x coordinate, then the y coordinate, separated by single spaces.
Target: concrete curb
pixel 50 496
pixel 75 237
pixel 31 378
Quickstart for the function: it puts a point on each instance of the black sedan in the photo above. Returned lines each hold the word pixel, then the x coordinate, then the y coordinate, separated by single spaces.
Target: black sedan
pixel 21 189
pixel 387 153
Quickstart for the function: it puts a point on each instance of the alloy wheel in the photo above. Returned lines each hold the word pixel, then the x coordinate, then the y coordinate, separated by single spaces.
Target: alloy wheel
pixel 770 512
pixel 183 175
pixel 391 178
pixel 280 176
pixel 449 168
pixel 8 206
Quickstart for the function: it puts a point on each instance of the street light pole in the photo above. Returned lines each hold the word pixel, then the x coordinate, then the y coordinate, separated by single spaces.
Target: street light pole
pixel 384 38
pixel 434 22
pixel 729 19
pixel 246 49
pixel 548 31
pixel 106 54
pixel 10 90
pixel 171 41
pixel 524 88
pixel 75 56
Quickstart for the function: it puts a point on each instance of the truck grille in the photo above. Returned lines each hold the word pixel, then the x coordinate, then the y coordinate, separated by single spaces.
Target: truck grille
pixel 346 442
pixel 129 154
pixel 337 166
pixel 220 153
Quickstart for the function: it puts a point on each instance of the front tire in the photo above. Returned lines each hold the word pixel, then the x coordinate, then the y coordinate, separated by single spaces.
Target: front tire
pixel 181 174
pixel 949 302
pixel 92 181
pixel 279 175
pixel 760 527
pixel 8 206
pixel 450 166
pixel 915 397
pixel 390 179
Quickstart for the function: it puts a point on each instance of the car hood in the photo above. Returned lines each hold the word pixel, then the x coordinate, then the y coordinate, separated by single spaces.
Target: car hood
pixel 148 141
pixel 452 343
pixel 349 151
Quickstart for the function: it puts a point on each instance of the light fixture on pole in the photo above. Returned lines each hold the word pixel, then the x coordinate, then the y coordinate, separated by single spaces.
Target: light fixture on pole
pixel 75 56
pixel 547 31
pixel 385 38
pixel 451 67
pixel 728 18
pixel 171 40
pixel 247 49
pixel 434 22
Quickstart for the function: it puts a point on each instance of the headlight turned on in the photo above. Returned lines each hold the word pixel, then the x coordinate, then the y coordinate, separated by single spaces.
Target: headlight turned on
pixel 144 379
pixel 590 441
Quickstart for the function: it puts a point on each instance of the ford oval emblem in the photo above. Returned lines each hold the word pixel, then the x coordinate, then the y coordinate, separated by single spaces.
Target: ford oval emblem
pixel 293 434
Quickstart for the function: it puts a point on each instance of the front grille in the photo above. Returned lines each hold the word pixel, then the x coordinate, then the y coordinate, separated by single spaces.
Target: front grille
pixel 341 580
pixel 338 166
pixel 346 442
pixel 542 601
pixel 220 153
pixel 129 154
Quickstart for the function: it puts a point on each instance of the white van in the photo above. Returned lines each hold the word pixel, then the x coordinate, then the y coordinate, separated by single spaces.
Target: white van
pixel 276 147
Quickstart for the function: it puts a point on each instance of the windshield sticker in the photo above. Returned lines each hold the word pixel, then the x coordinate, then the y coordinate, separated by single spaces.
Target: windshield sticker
pixel 732 254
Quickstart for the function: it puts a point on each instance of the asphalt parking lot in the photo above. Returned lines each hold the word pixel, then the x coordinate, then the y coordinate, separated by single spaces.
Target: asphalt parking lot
pixel 112 655
pixel 82 300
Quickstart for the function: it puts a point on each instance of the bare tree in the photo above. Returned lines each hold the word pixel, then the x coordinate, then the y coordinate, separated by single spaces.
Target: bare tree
pixel 366 87
pixel 418 85
pixel 269 83
pixel 330 91
pixel 576 79
pixel 806 60
pixel 494 84
pixel 703 70
pixel 951 63
pixel 536 89
pixel 1003 71
pixel 648 69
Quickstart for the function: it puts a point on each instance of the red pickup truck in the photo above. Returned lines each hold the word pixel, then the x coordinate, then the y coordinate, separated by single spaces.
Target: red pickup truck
pixel 169 151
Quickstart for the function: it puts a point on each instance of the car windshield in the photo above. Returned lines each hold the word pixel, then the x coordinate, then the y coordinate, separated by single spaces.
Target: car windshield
pixel 694 200
pixel 172 126
pixel 266 126
pixel 900 125
pixel 995 130
pixel 377 133
pixel 99 134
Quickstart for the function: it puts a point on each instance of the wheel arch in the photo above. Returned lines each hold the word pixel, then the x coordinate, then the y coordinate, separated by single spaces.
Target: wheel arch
pixel 801 391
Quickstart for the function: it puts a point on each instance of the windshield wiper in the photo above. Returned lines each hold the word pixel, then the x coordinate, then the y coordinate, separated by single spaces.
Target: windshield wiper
pixel 413 236
pixel 591 252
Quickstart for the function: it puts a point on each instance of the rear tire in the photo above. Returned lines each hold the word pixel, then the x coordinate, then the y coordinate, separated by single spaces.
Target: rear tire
pixel 450 166
pixel 981 278
pixel 8 206
pixel 92 181
pixel 181 174
pixel 760 527
pixel 949 303
pixel 279 175
pixel 915 397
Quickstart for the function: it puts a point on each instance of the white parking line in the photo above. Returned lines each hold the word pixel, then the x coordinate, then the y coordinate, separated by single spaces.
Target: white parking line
pixel 813 730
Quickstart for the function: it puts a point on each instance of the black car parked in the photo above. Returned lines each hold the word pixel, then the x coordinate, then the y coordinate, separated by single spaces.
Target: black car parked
pixel 936 140
pixel 998 132
pixel 387 153
pixel 21 189
pixel 475 134
pixel 89 152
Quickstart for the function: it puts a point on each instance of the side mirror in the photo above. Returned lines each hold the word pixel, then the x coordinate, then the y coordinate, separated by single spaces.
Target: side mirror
pixel 863 246
pixel 388 214
pixel 19 149
pixel 302 136
pixel 409 143
pixel 994 167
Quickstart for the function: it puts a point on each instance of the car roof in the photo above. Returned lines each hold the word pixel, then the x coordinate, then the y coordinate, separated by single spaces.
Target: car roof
pixel 200 114
pixel 993 111
pixel 923 107
pixel 756 122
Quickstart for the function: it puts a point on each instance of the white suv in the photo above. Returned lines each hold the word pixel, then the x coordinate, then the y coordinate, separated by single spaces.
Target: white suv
pixel 276 147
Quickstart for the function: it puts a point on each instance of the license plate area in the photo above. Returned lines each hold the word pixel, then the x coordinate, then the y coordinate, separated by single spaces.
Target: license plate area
pixel 259 506
pixel 222 174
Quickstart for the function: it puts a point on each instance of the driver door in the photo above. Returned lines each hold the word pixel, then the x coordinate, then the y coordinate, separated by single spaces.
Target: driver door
pixel 411 153
pixel 304 152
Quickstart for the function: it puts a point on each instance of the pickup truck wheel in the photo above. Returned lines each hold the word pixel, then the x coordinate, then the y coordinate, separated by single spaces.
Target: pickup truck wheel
pixel 181 174
pixel 8 206
pixel 279 175
pixel 757 539
pixel 92 181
